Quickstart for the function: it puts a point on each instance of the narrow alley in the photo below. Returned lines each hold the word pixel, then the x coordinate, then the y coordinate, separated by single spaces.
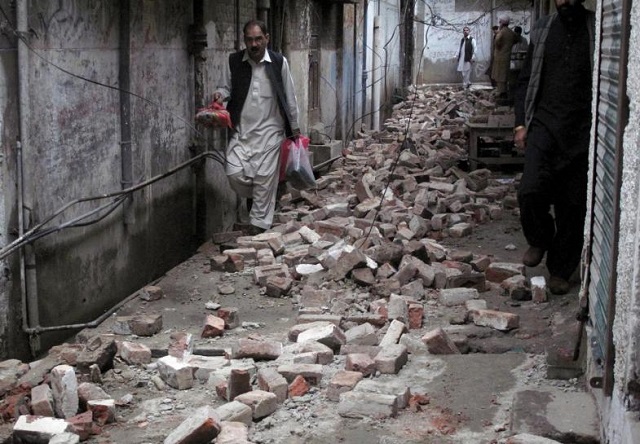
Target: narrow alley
pixel 159 285
pixel 388 305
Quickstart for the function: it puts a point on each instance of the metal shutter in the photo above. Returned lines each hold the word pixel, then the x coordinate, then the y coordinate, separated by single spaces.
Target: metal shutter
pixel 610 120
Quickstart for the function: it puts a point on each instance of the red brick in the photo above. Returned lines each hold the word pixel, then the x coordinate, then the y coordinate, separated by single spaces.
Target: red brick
pixel 213 326
pixel 416 313
pixel 298 387
pixel 360 362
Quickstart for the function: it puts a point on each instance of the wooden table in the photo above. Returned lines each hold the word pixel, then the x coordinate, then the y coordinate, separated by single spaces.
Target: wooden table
pixel 477 130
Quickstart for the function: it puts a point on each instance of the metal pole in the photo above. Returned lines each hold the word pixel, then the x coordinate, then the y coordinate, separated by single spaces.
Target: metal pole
pixel 28 276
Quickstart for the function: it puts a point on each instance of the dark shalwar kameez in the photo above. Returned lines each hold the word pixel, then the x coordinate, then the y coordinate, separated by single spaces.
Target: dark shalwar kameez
pixel 556 155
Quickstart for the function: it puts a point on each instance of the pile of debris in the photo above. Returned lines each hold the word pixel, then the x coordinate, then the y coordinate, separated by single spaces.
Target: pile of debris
pixel 362 259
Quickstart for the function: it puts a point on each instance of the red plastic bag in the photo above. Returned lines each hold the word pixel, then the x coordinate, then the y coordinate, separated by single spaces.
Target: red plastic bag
pixel 215 116
pixel 284 153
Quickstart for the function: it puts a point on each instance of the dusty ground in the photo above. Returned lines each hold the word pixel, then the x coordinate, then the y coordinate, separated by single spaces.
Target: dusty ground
pixel 517 358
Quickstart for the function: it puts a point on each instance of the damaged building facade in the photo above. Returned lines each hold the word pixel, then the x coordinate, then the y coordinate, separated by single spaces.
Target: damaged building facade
pixel 100 150
pixel 107 184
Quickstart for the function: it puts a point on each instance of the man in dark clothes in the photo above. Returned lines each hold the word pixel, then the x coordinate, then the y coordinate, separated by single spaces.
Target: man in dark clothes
pixel 553 121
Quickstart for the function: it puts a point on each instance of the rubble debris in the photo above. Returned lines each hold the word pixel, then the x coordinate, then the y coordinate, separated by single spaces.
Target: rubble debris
pixel 363 262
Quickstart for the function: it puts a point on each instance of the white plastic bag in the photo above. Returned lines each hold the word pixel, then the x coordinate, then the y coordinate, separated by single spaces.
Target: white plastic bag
pixel 298 171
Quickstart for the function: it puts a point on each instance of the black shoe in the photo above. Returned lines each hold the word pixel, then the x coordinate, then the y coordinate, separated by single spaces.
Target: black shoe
pixel 557 285
pixel 533 256
pixel 252 230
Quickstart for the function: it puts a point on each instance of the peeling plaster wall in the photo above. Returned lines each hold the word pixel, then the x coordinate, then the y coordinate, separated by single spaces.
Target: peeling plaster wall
pixel 444 21
pixel 73 152
pixel 9 133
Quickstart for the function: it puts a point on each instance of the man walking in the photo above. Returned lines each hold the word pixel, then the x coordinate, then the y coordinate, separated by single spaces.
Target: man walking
pixel 262 103
pixel 553 121
pixel 466 56
pixel 505 38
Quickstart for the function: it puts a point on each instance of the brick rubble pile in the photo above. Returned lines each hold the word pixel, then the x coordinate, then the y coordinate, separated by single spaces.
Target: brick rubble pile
pixel 361 258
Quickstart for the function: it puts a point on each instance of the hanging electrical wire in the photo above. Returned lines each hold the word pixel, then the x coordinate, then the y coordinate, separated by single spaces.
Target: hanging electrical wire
pixel 119 197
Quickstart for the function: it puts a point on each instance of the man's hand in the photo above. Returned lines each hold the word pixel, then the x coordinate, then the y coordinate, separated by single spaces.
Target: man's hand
pixel 295 133
pixel 520 137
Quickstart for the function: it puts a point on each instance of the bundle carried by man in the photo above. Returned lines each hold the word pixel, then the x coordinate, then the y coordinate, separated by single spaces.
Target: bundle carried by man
pixel 214 116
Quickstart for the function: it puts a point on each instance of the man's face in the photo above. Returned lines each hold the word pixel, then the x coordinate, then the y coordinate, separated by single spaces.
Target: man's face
pixel 567 9
pixel 465 31
pixel 256 42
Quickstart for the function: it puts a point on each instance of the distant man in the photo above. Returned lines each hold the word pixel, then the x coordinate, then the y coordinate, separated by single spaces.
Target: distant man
pixel 553 122
pixel 518 54
pixel 466 56
pixel 262 103
pixel 505 38
pixel 494 33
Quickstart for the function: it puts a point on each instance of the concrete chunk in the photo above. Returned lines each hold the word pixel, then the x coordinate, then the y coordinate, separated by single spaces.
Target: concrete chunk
pixel 65 438
pixel 392 358
pixel 201 426
pixel 363 334
pixel 342 381
pixel 203 366
pixel 539 289
pixel 329 335
pixel 439 343
pixel 42 401
pixel 175 372
pixel 499 320
pixel 451 297
pixel 261 403
pixel 146 325
pixel 392 336
pixel 134 353
pixel 360 362
pixel 261 274
pixel 362 405
pixel 64 387
pixel 324 354
pixel 103 411
pixel 387 387
pixel 37 429
pixel 270 380
pixel 233 433
pixel 235 411
pixel 311 372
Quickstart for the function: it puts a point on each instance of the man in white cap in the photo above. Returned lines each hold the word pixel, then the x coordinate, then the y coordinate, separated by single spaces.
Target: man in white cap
pixel 504 40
